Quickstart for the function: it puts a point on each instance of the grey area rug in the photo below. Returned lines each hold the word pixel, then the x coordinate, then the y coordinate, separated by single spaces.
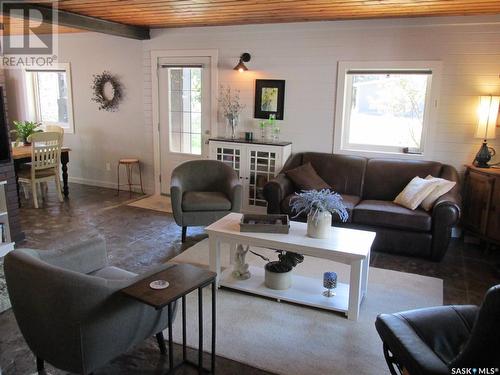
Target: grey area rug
pixel 292 339
pixel 4 296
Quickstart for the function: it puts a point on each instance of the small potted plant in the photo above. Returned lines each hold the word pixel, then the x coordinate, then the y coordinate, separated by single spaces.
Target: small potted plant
pixel 319 205
pixel 231 107
pixel 23 129
pixel 278 273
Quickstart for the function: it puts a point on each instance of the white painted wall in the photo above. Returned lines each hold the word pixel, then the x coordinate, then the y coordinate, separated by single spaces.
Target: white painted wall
pixel 100 136
pixel 304 54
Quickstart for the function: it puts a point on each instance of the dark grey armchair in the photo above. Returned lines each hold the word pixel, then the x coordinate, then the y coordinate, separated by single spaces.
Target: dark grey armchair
pixel 70 311
pixel 203 191
pixel 444 339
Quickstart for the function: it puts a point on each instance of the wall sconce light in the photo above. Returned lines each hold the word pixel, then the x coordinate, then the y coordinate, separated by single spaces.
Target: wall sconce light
pixel 487 122
pixel 241 67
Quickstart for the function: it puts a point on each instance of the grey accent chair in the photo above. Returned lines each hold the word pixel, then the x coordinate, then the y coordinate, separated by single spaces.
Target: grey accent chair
pixel 70 311
pixel 203 191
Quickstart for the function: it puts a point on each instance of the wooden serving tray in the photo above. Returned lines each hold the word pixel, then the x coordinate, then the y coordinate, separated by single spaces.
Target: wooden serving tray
pixel 265 223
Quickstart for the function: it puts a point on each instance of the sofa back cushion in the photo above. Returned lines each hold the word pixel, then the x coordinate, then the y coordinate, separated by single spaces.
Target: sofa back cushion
pixel 344 173
pixel 386 178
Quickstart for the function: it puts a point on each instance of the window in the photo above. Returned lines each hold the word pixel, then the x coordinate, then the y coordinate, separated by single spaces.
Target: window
pixel 385 107
pixel 49 96
pixel 185 109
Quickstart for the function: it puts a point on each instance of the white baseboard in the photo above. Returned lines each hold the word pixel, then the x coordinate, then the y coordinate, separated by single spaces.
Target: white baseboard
pixel 106 184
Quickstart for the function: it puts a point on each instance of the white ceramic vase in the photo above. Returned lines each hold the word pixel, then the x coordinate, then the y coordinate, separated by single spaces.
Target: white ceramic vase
pixel 319 225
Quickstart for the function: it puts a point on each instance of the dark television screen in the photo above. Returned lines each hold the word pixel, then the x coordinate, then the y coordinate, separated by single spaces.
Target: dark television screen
pixel 4 133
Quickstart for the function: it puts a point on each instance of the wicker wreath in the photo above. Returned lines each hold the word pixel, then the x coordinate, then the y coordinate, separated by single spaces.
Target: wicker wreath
pixel 100 81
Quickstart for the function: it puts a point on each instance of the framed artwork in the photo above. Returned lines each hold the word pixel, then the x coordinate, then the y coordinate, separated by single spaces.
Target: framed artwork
pixel 269 98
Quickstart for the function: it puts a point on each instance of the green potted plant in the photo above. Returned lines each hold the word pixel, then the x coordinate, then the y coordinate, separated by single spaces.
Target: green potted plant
pixel 319 205
pixel 278 273
pixel 23 129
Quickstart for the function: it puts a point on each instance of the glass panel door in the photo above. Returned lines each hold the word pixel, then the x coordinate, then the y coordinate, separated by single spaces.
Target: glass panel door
pixel 185 112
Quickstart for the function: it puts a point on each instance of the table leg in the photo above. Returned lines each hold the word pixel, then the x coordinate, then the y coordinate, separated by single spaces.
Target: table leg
pixel 200 330
pixel 170 339
pixel 354 290
pixel 214 294
pixel 16 167
pixel 232 252
pixel 184 328
pixel 214 245
pixel 64 162
pixel 364 276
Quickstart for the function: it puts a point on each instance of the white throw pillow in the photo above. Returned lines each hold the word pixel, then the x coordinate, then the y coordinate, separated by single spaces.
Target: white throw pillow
pixel 415 192
pixel 443 186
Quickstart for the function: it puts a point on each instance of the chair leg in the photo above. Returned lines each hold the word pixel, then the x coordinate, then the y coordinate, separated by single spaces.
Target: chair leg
pixel 118 174
pixel 140 177
pixel 39 364
pixel 129 180
pixel 45 189
pixel 161 343
pixel 58 188
pixel 391 362
pixel 184 232
pixel 25 190
pixel 34 192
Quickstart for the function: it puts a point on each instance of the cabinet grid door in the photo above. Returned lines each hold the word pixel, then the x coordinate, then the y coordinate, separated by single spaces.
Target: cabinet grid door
pixel 230 156
pixel 262 167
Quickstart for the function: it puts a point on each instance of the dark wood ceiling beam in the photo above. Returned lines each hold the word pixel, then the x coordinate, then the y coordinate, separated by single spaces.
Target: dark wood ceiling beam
pixel 98 25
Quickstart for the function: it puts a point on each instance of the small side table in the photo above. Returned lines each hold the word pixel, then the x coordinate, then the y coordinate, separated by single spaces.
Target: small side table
pixel 183 279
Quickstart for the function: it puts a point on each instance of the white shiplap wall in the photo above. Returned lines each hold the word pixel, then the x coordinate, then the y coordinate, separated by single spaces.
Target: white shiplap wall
pixel 306 56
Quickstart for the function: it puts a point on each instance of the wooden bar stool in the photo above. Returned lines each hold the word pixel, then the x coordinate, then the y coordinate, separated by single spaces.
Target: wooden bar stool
pixel 129 163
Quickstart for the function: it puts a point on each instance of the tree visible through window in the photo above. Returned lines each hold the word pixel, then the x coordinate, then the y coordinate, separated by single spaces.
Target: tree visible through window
pixel 49 96
pixel 387 109
pixel 384 110
pixel 185 110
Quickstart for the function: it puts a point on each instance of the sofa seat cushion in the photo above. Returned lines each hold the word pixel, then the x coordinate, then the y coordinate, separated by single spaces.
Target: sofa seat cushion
pixel 205 201
pixel 350 201
pixel 391 215
pixel 113 273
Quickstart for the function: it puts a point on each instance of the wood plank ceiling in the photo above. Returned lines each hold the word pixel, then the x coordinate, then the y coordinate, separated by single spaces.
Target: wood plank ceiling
pixel 184 13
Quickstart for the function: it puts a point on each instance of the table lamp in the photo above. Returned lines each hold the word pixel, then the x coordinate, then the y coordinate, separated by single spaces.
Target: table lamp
pixel 487 122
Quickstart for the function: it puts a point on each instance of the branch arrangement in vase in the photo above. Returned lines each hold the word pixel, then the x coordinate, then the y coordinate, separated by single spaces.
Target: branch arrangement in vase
pixel 231 107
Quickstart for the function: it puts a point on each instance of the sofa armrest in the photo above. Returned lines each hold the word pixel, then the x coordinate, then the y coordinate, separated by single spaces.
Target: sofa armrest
pixel 445 215
pixel 275 191
pixel 233 189
pixel 176 192
pixel 83 257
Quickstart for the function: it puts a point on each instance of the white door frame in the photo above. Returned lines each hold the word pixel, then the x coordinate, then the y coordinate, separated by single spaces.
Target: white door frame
pixel 156 55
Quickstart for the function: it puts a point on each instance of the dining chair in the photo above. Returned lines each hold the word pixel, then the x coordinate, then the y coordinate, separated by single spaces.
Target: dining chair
pixel 44 187
pixel 45 162
pixel 55 129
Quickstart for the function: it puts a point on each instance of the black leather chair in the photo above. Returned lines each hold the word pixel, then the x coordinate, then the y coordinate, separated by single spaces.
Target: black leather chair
pixel 433 341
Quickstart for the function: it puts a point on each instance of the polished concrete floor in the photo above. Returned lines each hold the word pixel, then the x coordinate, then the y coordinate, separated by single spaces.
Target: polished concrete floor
pixel 139 238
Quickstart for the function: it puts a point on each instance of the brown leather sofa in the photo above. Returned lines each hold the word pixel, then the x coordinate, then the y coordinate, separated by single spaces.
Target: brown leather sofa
pixel 368 187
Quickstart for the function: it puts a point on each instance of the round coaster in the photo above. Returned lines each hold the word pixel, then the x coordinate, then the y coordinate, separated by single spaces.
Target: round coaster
pixel 159 284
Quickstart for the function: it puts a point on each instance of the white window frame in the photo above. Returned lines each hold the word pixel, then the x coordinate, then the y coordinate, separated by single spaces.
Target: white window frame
pixel 340 144
pixel 32 96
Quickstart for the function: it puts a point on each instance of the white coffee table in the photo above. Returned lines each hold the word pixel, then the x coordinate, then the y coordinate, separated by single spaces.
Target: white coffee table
pixel 348 246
